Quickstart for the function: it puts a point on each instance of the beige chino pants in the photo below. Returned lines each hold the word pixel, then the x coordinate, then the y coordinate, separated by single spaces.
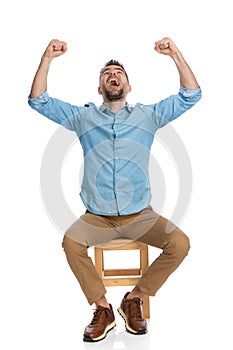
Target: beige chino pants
pixel 146 226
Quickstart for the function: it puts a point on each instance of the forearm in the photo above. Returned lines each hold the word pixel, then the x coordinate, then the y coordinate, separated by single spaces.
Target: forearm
pixel 39 84
pixel 187 78
pixel 54 49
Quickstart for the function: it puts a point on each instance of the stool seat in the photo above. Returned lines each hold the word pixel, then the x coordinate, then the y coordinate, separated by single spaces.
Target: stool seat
pixel 123 276
pixel 115 243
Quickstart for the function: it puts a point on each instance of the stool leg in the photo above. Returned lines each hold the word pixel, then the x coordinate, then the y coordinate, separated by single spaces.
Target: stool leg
pixel 144 261
pixel 146 306
pixel 99 261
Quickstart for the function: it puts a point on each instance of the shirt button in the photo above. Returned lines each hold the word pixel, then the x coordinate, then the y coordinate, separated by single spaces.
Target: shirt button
pixel 117 157
pixel 117 174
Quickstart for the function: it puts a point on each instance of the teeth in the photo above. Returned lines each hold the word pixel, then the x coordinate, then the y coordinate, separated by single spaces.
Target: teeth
pixel 115 82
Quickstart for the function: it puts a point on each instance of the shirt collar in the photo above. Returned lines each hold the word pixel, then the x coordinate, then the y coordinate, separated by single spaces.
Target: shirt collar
pixel 127 106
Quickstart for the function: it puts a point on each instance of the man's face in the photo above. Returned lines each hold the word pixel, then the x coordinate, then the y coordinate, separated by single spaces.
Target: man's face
pixel 113 83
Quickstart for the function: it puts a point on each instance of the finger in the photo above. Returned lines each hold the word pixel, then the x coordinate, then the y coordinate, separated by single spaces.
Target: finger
pixel 157 45
pixel 58 45
pixel 164 44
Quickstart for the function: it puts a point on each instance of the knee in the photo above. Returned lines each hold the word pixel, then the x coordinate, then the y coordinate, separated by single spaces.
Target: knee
pixel 71 247
pixel 179 243
pixel 183 243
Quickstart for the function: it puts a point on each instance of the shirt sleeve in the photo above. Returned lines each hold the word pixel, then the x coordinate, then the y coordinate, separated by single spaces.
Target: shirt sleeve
pixel 172 107
pixel 58 111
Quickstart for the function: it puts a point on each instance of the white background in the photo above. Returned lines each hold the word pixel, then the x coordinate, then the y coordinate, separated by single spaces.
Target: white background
pixel 41 303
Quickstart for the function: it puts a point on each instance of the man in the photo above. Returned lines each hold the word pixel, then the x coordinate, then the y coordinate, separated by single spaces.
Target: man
pixel 116 139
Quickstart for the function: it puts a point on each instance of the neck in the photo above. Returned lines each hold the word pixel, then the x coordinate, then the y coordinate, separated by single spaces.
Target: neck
pixel 115 106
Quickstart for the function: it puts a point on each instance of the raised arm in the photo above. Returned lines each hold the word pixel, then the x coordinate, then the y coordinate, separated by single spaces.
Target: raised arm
pixel 54 49
pixel 167 47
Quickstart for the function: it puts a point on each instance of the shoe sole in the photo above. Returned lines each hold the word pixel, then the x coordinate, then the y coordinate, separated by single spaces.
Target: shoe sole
pixel 102 336
pixel 128 328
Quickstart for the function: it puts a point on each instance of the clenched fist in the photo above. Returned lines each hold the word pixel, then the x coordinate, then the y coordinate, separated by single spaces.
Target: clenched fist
pixel 55 48
pixel 166 47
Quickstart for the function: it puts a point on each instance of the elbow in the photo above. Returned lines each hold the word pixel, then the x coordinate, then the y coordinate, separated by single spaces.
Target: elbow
pixel 191 96
pixel 37 101
pixel 199 94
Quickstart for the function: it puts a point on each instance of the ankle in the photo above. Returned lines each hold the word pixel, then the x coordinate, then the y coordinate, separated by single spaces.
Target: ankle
pixel 102 302
pixel 106 305
pixel 135 293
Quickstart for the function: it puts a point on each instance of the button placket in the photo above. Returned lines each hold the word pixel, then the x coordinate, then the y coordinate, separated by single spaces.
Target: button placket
pixel 115 157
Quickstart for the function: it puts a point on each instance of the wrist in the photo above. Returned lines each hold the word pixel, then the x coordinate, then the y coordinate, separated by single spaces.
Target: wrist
pixel 177 56
pixel 46 59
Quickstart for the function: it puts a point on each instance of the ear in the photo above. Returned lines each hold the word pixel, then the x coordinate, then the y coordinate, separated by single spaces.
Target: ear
pixel 128 88
pixel 99 90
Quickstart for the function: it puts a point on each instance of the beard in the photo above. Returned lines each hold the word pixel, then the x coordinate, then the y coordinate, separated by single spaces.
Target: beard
pixel 114 95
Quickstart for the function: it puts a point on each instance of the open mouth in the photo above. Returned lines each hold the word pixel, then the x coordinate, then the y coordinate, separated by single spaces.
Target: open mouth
pixel 114 82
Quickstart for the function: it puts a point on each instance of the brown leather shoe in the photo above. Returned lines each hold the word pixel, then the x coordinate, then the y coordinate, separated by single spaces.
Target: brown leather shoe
pixel 102 322
pixel 131 311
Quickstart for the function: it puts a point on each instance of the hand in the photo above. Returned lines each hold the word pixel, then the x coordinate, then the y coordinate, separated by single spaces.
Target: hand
pixel 55 48
pixel 166 47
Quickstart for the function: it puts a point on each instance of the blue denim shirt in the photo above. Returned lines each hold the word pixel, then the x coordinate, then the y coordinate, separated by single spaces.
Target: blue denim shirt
pixel 116 147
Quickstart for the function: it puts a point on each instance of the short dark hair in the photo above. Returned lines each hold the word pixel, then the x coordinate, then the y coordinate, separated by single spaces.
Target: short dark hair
pixel 114 63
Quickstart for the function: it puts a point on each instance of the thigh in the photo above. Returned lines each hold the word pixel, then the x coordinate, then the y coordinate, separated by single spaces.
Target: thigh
pixel 91 230
pixel 153 229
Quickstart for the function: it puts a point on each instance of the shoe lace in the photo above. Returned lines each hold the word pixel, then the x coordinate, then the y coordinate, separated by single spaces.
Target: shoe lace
pixel 136 307
pixel 97 315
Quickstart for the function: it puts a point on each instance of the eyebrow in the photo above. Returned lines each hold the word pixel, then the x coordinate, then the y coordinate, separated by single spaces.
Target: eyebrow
pixel 107 68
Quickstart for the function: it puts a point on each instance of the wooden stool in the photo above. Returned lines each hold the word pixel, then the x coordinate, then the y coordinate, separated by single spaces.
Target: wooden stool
pixel 126 276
